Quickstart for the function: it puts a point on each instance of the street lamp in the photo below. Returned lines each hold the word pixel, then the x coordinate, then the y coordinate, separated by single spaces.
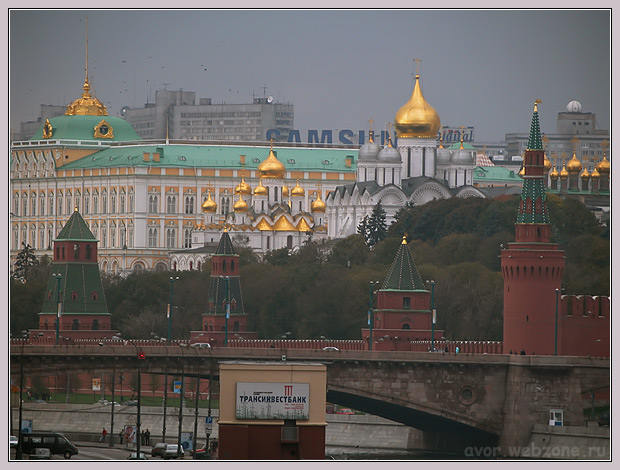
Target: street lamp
pixel 370 316
pixel 163 342
pixel 58 277
pixel 172 279
pixel 112 404
pixel 433 313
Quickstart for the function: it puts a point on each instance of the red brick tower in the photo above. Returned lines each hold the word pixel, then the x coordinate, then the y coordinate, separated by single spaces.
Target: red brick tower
pixel 219 325
pixel 532 266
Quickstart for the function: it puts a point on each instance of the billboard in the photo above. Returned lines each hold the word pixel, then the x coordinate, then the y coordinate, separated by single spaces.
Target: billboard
pixel 272 400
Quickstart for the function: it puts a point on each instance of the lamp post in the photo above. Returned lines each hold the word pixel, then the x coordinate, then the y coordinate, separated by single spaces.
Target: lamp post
pixel 227 278
pixel 181 400
pixel 432 283
pixel 111 444
pixel 370 315
pixel 172 279
pixel 555 341
pixel 58 277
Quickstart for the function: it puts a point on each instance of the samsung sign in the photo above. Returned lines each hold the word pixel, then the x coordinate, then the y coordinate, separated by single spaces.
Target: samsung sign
pixel 272 400
pixel 348 137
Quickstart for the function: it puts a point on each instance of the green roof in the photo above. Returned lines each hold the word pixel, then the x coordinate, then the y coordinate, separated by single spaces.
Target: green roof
pixel 403 274
pixel 217 156
pixel 496 173
pixel 75 229
pixel 82 279
pixel 457 145
pixel 225 246
pixel 83 128
pixel 535 141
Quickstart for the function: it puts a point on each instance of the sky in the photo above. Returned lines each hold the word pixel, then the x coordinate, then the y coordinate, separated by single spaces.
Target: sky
pixel 338 67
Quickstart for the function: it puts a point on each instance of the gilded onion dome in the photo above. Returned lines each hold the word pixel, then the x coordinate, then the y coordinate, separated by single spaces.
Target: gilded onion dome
pixel 240 205
pixel 522 171
pixel 603 166
pixel 553 174
pixel 243 187
pixel 298 190
pixel 574 165
pixel 285 191
pixel 547 164
pixel 585 175
pixel 209 205
pixel 595 175
pixel 417 118
pixel 260 190
pixel 563 173
pixel 317 205
pixel 271 167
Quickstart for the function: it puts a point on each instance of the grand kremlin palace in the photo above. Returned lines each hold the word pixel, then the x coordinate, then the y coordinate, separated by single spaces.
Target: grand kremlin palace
pixel 142 200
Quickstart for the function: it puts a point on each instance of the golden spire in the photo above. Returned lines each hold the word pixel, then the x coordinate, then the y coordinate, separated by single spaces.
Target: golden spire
pixel 86 105
pixel 404 242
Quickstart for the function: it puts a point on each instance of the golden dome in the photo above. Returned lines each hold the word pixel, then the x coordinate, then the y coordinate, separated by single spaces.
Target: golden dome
pixel 240 205
pixel 298 190
pixel 554 174
pixel 585 175
pixel 563 173
pixel 522 171
pixel 573 165
pixel 285 191
pixel 317 205
pixel 87 105
pixel 243 187
pixel 260 190
pixel 209 205
pixel 595 175
pixel 603 166
pixel 417 118
pixel 547 164
pixel 271 167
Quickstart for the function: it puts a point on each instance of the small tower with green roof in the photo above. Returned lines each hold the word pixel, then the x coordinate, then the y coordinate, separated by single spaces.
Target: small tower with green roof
pixel 402 313
pixel 74 291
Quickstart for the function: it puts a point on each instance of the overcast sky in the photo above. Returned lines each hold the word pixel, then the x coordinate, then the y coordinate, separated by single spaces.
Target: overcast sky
pixel 339 68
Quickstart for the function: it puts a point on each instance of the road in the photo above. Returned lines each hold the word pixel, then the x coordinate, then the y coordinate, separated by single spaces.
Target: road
pixel 93 451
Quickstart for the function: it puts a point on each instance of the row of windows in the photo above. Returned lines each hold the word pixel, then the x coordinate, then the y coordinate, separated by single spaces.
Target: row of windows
pixel 222 114
pixel 65 205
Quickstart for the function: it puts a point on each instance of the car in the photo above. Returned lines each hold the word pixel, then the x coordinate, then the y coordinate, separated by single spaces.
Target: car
pixel 201 345
pixel 158 449
pixel 173 451
pixel 330 348
pixel 603 420
pixel 40 453
pixel 134 456
pixel 13 441
pixel 201 454
pixel 345 411
pixel 130 402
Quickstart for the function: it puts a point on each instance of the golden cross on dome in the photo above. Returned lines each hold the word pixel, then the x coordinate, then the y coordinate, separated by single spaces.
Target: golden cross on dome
pixel 574 140
pixel 417 65
pixel 604 144
pixel 370 121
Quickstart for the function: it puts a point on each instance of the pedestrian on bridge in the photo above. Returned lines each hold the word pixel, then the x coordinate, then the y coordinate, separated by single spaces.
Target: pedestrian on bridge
pixel 104 433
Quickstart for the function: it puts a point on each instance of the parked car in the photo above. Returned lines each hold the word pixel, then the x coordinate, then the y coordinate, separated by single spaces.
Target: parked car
pixel 345 411
pixel 201 454
pixel 173 451
pixel 201 345
pixel 158 449
pixel 134 456
pixel 167 451
pixel 40 453
pixel 13 441
pixel 603 420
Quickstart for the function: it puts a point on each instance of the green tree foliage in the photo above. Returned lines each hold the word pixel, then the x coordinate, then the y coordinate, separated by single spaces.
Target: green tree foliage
pixel 374 227
pixel 25 261
pixel 350 251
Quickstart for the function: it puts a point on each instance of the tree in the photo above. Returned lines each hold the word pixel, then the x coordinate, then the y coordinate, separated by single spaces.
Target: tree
pixel 26 259
pixel 374 227
pixel 350 251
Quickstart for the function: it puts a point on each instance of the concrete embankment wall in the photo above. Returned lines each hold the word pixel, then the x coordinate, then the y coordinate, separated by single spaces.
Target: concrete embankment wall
pixel 84 423
pixel 569 442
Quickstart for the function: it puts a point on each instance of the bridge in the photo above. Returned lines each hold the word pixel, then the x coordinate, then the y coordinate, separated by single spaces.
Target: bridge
pixel 457 400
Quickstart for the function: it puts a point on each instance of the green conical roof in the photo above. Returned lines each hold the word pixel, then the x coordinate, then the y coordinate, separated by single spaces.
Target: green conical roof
pixel 535 141
pixel 75 229
pixel 225 247
pixel 403 274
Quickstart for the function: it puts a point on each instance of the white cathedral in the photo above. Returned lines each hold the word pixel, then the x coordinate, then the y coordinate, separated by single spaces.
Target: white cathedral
pixel 416 172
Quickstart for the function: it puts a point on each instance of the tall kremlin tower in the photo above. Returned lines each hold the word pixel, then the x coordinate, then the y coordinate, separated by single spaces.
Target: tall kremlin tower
pixel 532 266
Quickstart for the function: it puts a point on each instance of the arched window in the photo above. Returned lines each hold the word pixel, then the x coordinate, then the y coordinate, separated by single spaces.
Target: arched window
pixel 88 251
pixel 406 326
pixel 76 251
pixel 95 324
pixel 75 325
pixel 289 242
